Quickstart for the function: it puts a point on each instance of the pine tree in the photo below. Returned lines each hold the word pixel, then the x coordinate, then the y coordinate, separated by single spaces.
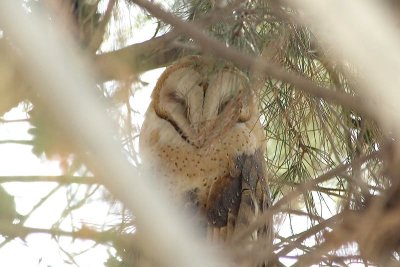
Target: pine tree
pixel 332 165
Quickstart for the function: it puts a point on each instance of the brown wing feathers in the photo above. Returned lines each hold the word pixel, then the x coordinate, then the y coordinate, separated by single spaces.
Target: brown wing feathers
pixel 243 193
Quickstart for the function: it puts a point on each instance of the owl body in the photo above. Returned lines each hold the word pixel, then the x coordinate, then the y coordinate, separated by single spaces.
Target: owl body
pixel 203 140
pixel 185 168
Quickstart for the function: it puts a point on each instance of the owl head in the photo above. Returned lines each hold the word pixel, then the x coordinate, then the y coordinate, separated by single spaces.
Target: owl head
pixel 202 98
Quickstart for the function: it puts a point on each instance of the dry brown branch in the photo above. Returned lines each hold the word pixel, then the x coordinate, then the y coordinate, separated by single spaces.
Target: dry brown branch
pixel 300 238
pixel 213 46
pixel 137 58
pixel 304 187
pixel 154 53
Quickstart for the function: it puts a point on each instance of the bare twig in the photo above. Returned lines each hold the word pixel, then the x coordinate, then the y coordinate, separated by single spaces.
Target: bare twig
pixel 304 187
pixel 17 142
pixel 34 208
pixel 14 121
pixel 89 180
pixel 22 232
pixel 298 240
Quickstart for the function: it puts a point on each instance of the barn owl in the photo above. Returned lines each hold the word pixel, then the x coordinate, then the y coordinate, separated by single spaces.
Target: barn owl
pixel 203 139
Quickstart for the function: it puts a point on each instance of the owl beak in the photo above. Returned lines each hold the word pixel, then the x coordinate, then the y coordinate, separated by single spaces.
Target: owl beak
pixel 201 133
pixel 208 132
pixel 215 129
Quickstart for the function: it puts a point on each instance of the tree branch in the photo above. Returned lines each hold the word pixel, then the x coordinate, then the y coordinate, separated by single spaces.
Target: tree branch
pixel 154 53
pixel 14 121
pixel 137 58
pixel 213 46
pixel 98 35
pixel 14 230
pixel 305 187
pixel 88 180
pixel 17 142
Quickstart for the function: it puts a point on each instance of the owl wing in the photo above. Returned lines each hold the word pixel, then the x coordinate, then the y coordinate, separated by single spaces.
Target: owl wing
pixel 237 199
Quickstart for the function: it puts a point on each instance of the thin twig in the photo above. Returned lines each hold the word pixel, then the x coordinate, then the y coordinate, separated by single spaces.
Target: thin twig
pixel 17 142
pixel 88 180
pixel 22 232
pixel 304 187
pixel 14 121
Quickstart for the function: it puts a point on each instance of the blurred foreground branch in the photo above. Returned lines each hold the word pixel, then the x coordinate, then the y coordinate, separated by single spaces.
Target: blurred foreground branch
pixel 69 98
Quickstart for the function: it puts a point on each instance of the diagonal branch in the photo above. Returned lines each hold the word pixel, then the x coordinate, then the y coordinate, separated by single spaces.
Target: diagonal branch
pixel 98 35
pixel 304 187
pixel 213 46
